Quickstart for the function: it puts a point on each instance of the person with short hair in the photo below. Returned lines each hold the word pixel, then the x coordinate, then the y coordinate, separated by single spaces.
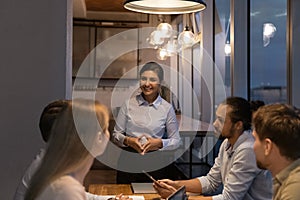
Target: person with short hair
pixel 255 104
pixel 235 167
pixel 277 147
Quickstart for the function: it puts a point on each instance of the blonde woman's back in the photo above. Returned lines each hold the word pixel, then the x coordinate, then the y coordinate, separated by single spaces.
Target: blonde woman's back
pixel 77 132
pixel 65 187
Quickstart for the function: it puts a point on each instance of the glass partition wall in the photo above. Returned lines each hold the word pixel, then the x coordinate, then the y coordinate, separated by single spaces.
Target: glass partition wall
pixel 222 46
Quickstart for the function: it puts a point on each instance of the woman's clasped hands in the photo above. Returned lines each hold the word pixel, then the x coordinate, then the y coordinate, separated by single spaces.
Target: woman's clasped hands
pixel 143 144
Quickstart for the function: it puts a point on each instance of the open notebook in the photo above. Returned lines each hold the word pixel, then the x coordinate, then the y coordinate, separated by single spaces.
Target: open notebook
pixel 145 188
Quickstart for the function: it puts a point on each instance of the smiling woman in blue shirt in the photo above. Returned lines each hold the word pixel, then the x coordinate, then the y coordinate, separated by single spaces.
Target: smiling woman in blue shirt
pixel 146 122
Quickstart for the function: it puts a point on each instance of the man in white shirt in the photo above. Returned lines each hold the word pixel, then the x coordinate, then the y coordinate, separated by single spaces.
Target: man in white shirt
pixel 235 167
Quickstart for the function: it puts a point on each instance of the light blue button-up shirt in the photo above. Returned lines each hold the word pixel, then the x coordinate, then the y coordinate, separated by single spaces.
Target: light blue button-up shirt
pixel 158 120
pixel 235 168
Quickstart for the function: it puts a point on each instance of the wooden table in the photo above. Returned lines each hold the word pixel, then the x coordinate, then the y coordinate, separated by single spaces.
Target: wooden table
pixel 114 189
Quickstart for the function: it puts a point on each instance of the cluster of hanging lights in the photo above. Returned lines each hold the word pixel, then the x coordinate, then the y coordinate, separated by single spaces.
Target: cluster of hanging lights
pixel 164 39
pixel 168 43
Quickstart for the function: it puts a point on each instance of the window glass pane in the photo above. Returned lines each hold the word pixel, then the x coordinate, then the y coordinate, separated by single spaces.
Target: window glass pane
pixel 268 68
pixel 222 46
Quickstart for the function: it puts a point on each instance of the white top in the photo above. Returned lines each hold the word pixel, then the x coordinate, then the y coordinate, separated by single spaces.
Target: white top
pixel 66 188
pixel 23 185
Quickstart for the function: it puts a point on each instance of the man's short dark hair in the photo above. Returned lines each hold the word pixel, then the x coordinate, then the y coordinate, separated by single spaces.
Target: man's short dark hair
pixel 49 115
pixel 255 104
pixel 281 124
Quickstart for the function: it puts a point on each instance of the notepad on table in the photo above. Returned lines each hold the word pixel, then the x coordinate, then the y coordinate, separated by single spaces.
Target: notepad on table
pixel 139 188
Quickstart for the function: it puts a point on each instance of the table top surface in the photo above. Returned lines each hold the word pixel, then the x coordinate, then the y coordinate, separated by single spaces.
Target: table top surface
pixel 114 189
pixel 187 124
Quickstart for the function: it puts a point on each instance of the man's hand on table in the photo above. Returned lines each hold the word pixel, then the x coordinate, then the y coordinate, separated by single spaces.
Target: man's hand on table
pixel 166 187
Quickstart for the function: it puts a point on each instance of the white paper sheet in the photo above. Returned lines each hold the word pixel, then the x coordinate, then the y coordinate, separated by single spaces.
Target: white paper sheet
pixel 106 197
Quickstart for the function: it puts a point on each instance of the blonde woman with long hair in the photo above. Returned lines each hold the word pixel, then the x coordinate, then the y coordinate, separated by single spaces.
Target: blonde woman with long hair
pixel 79 134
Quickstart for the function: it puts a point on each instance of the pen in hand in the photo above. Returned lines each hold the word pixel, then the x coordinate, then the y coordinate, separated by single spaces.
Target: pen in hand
pixel 154 180
pixel 149 176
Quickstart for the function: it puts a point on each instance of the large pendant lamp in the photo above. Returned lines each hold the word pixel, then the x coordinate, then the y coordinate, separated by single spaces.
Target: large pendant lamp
pixel 165 6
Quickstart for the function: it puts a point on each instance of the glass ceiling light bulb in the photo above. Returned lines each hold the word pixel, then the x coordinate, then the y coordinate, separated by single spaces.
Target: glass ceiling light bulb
pixel 155 38
pixel 171 47
pixel 227 49
pixel 165 6
pixel 186 38
pixel 269 30
pixel 162 54
pixel 165 29
pixel 266 41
